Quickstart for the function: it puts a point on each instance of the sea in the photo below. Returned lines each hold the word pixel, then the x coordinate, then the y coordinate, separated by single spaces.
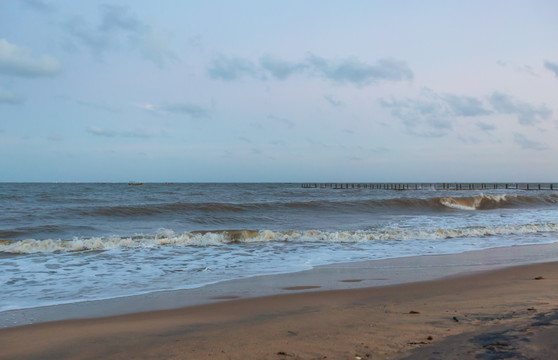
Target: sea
pixel 71 242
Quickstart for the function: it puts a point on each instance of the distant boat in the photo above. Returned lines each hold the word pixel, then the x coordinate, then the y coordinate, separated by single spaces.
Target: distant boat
pixel 135 183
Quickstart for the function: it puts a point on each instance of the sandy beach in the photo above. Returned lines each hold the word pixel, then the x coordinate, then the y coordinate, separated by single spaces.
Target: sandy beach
pixel 477 312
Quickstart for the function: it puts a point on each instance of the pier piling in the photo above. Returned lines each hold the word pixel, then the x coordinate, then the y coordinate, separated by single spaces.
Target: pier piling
pixel 432 186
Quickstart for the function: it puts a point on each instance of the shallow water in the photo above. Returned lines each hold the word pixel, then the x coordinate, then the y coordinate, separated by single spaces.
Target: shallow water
pixel 63 243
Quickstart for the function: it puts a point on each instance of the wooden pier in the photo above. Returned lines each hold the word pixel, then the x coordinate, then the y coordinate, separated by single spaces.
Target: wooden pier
pixel 433 186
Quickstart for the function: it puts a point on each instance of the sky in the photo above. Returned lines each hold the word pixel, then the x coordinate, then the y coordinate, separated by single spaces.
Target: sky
pixel 278 91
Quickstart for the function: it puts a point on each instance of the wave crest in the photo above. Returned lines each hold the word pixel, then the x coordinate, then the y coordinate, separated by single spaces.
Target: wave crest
pixel 480 202
pixel 433 203
pixel 218 238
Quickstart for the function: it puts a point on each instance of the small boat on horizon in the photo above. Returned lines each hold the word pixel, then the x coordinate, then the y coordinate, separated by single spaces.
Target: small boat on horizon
pixel 135 183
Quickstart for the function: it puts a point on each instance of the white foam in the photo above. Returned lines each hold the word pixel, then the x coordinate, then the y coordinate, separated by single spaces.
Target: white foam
pixel 169 238
pixel 470 203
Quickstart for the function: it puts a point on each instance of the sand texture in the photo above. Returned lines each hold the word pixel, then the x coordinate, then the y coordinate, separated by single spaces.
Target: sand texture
pixel 506 313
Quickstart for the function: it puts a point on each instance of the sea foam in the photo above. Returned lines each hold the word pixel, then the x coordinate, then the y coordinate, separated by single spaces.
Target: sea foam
pixel 167 237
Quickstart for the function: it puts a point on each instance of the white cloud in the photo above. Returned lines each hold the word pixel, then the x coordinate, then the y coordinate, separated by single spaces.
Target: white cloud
pixel 280 68
pixel 18 61
pixel 39 5
pixel 432 114
pixel 189 109
pixel 284 121
pixel 119 28
pixel 336 103
pixel 55 137
pixel 527 114
pixel 465 105
pixel 485 126
pixel 526 69
pixel 101 132
pixel 192 110
pixel 149 107
pixel 525 143
pixel 346 71
pixel 7 97
pixel 142 134
pixel 356 72
pixel 231 68
pixel 552 67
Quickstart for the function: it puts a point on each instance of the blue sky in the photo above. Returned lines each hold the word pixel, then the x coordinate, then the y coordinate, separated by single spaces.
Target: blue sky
pixel 278 91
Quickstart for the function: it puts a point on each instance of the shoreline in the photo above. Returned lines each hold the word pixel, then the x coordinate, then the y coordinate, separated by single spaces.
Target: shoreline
pixel 342 276
pixel 496 312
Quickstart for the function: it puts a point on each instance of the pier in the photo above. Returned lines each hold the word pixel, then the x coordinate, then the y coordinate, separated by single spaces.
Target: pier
pixel 433 186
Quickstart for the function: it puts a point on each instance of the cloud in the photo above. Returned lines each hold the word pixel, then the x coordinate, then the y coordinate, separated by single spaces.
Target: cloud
pixel 55 137
pixel 527 114
pixel 518 68
pixel 528 144
pixel 118 18
pixel 96 41
pixel 424 111
pixel 7 97
pixel 231 68
pixel 347 71
pixel 412 111
pixel 380 150
pixel 18 61
pixel 288 123
pixel 333 102
pixel 552 67
pixel 432 114
pixel 101 132
pixel 484 126
pixel 465 106
pixel 245 139
pixel 421 117
pixel 469 139
pixel 280 68
pixel 278 142
pixel 352 70
pixel 527 69
pixel 119 28
pixel 142 134
pixel 155 46
pixel 39 5
pixel 191 110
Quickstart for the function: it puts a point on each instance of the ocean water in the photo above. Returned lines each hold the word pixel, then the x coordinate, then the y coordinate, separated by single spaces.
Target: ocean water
pixel 63 243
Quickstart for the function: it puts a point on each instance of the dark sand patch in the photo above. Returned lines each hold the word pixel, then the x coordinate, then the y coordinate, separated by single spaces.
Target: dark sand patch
pixel 534 337
pixel 225 297
pixel 298 288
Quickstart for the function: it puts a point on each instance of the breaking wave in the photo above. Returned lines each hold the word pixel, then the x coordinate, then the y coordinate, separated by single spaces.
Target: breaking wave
pixel 218 238
pixel 479 202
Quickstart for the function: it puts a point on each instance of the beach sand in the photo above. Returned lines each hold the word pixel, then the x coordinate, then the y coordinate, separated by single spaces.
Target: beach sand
pixel 489 314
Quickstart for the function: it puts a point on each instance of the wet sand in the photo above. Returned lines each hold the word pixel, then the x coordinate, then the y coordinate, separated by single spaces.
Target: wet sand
pixel 489 314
